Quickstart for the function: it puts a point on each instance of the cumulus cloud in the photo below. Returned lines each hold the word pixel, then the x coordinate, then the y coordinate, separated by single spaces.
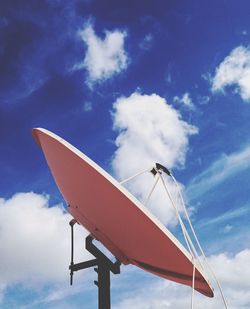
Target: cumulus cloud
pixel 224 167
pixel 149 131
pixel 185 100
pixel 104 57
pixel 232 271
pixel 35 241
pixel 234 70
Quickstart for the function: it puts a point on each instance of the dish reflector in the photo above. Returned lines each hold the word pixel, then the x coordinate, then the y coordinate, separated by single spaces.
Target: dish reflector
pixel 115 217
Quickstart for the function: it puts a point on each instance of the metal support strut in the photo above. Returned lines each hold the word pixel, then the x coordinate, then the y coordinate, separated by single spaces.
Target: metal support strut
pixel 160 168
pixel 103 269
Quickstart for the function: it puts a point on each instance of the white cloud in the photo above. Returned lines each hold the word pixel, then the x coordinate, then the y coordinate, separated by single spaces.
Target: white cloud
pixel 104 57
pixel 150 131
pixel 207 77
pixel 60 296
pixel 35 241
pixel 234 70
pixel 233 273
pixel 224 167
pixel 185 100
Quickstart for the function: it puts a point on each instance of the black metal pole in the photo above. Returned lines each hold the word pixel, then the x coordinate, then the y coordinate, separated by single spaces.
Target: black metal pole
pixel 103 269
pixel 72 223
pixel 103 284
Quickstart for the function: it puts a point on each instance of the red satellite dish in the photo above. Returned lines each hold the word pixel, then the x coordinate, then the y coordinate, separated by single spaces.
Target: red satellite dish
pixel 115 217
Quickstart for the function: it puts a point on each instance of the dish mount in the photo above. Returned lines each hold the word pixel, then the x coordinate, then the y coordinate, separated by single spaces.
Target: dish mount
pixel 103 268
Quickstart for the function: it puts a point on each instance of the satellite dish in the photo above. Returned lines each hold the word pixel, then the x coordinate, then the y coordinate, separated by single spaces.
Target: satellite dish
pixel 115 217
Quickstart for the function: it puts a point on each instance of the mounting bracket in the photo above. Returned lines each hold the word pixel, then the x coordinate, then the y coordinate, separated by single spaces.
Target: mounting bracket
pixel 103 269
pixel 160 168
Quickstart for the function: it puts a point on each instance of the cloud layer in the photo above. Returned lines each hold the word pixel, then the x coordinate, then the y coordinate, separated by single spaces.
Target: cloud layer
pixel 35 241
pixel 149 131
pixel 104 57
pixel 234 70
pixel 232 272
pixel 35 251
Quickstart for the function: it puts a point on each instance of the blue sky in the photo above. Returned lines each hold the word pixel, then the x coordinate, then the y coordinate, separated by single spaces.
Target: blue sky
pixel 129 84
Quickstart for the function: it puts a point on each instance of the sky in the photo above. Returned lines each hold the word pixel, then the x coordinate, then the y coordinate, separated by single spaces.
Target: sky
pixel 129 83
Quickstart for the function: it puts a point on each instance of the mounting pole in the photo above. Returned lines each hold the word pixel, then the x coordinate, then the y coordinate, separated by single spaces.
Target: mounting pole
pixel 72 223
pixel 103 268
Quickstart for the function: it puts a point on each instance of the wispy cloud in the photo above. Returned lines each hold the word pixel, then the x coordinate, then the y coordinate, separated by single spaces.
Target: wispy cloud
pixel 87 106
pixel 225 217
pixel 224 167
pixel 146 42
pixel 234 70
pixel 227 228
pixel 203 99
pixel 185 100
